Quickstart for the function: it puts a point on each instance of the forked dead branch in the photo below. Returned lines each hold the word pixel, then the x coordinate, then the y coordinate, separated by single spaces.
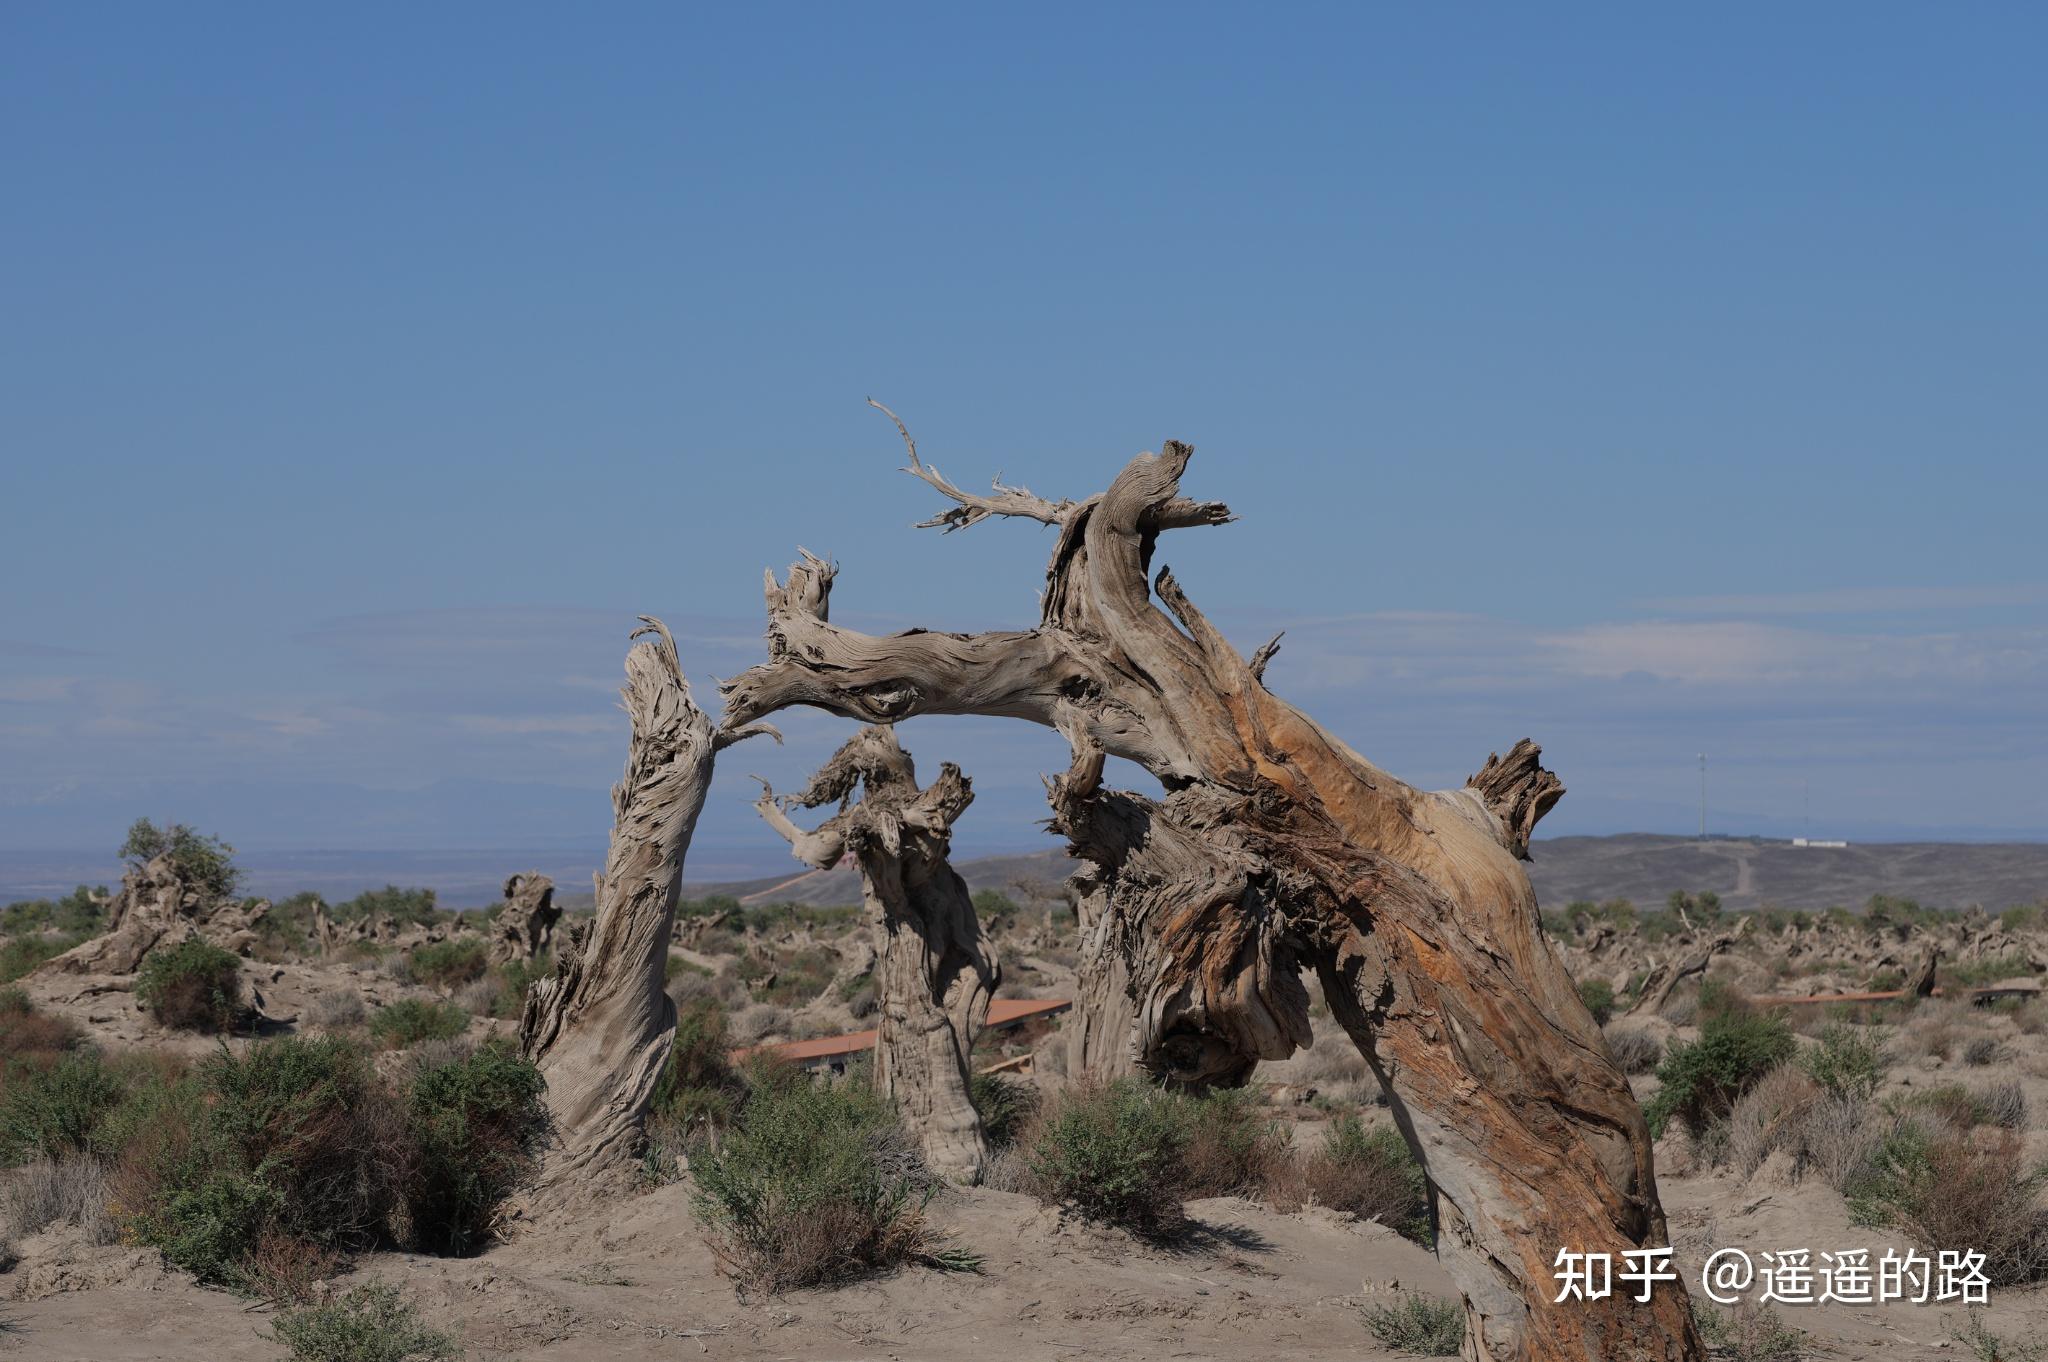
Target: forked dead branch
pixel 1277 847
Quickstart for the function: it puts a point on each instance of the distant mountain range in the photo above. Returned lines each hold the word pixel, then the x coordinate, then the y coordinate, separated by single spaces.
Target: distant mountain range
pixel 1643 867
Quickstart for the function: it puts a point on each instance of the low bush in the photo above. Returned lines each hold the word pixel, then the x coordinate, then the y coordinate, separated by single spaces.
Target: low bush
pixel 372 1323
pixel 449 964
pixel 1749 1333
pixel 193 986
pixel 698 1091
pixel 55 1111
pixel 1701 1079
pixel 263 1171
pixel 477 1124
pixel 29 1038
pixel 1598 996
pixel 45 1192
pixel 1846 1061
pixel 1771 1117
pixel 1113 1152
pixel 1423 1325
pixel 1635 1049
pixel 403 906
pixel 1958 1190
pixel 20 954
pixel 409 1021
pixel 1371 1174
pixel 814 1184
pixel 1232 1147
pixel 1006 1107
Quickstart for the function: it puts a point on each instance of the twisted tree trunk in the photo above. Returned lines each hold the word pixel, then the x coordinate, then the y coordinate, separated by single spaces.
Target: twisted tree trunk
pixel 936 973
pixel 1277 845
pixel 599 1026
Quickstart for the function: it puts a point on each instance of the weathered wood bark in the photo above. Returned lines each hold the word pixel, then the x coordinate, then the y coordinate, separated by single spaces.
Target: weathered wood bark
pixel 599 1026
pixel 155 907
pixel 524 929
pixel 1666 975
pixel 1922 985
pixel 936 972
pixel 1412 907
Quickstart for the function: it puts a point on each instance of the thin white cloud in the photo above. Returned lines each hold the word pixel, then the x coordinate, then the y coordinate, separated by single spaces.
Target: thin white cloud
pixel 1856 601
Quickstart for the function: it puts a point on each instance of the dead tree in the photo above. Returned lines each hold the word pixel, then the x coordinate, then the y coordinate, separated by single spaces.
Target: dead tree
pixel 936 973
pixel 157 905
pixel 599 1026
pixel 1288 847
pixel 1666 975
pixel 524 928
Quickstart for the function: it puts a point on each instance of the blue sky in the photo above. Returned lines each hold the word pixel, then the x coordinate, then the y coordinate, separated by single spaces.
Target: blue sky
pixel 1645 383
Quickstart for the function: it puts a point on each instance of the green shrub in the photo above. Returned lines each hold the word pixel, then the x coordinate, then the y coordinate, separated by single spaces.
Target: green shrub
pixel 404 906
pixel 194 986
pixel 1233 1148
pixel 1005 1105
pixel 814 1184
pixel 205 863
pixel 1372 1175
pixel 1702 1079
pixel 1950 1189
pixel 78 914
pixel 1598 996
pixel 1113 1153
pixel 515 977
pixel 20 954
pixel 1749 1333
pixel 698 1089
pixel 1422 1325
pixel 293 1142
pixel 448 964
pixel 54 1112
pixel 409 1021
pixel 1846 1062
pixel 372 1323
pixel 477 1125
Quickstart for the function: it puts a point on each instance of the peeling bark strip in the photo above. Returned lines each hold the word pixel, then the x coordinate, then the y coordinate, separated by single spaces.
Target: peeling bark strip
pixel 1277 846
pixel 936 973
pixel 599 1026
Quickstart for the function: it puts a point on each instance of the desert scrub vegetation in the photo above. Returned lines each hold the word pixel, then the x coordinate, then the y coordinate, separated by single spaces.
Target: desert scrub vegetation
pixel 698 1092
pixel 409 1021
pixel 35 930
pixel 264 1170
pixel 449 964
pixel 1749 1333
pixel 815 1183
pixel 407 907
pixel 371 1323
pixel 1958 1189
pixel 1636 1049
pixel 1702 1078
pixel 477 1126
pixel 1598 996
pixel 205 863
pixel 1369 1173
pixel 1422 1325
pixel 1846 1061
pixel 192 986
pixel 1006 1106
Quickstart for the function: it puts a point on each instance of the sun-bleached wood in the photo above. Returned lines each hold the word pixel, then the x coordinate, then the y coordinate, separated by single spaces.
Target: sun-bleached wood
pixel 935 972
pixel 599 1025
pixel 1277 846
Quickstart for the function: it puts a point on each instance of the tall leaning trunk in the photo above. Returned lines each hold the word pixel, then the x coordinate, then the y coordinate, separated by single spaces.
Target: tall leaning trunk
pixel 599 1026
pixel 1278 847
pixel 934 972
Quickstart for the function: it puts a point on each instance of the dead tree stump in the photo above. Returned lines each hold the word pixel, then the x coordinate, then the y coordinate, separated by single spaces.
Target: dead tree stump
pixel 599 1026
pixel 935 973
pixel 1412 907
pixel 524 929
